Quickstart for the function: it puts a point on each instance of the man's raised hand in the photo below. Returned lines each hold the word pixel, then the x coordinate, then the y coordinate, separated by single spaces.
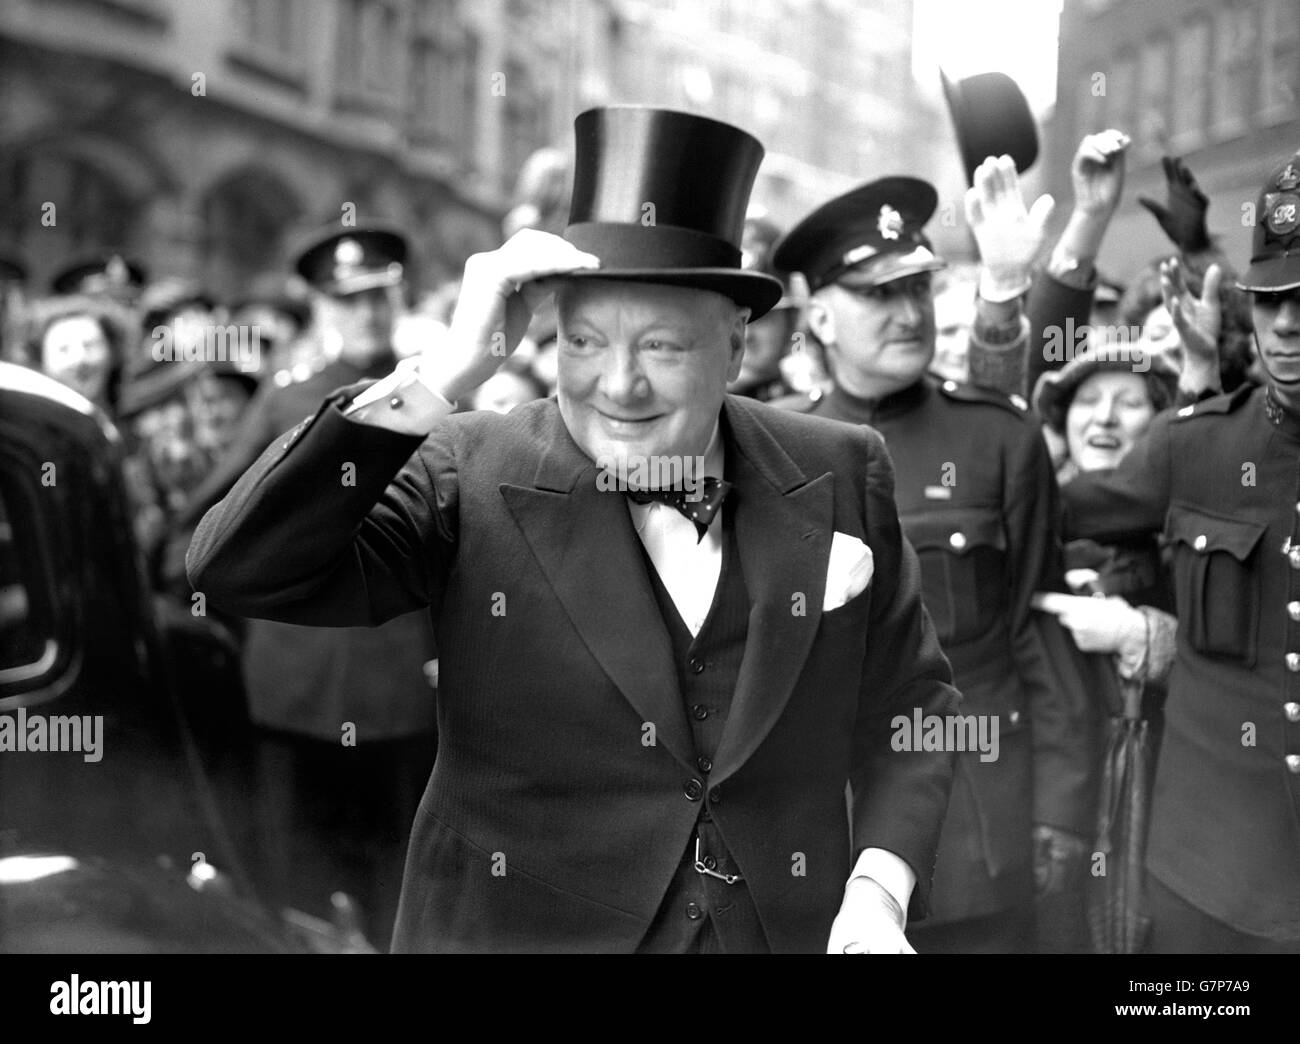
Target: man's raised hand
pixel 1009 235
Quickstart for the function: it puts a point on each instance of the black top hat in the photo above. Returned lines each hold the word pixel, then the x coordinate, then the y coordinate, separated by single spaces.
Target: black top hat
pixel 97 275
pixel 873 231
pixel 1275 244
pixel 992 118
pixel 349 260
pixel 660 197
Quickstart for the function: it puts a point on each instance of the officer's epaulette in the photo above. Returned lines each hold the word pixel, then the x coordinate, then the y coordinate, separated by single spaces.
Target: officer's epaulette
pixel 963 392
pixel 800 402
pixel 1224 403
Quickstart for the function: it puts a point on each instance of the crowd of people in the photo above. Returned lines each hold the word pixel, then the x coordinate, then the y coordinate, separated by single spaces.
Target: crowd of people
pixel 1088 547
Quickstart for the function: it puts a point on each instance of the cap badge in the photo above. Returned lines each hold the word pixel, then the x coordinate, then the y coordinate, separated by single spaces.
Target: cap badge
pixel 348 253
pixel 115 272
pixel 1289 178
pixel 1283 213
pixel 890 222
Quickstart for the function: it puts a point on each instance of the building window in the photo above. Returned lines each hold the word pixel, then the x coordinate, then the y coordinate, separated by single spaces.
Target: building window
pixel 444 62
pixel 1279 68
pixel 1234 63
pixel 1191 81
pixel 368 49
pixel 1153 102
pixel 1121 87
pixel 268 25
pixel 268 39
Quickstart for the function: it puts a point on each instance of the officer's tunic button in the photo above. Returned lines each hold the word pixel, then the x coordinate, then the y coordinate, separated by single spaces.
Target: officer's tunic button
pixel 1293 610
pixel 1201 541
pixel 958 541
pixel 950 386
pixel 1293 763
pixel 693 911
pixel 693 788
pixel 1292 711
pixel 1015 717
pixel 1293 662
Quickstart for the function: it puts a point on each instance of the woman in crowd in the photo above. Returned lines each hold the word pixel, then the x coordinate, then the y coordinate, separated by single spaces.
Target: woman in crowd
pixel 1097 407
pixel 80 342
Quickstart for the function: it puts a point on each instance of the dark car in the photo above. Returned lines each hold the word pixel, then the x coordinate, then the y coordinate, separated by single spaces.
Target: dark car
pixel 120 718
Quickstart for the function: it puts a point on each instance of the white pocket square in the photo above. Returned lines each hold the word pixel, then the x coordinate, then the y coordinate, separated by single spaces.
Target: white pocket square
pixel 848 572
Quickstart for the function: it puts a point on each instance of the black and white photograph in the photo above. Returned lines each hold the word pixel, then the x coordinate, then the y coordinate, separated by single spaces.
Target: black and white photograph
pixel 590 477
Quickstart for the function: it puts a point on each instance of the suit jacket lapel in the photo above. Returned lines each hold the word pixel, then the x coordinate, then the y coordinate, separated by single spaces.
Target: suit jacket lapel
pixel 585 544
pixel 783 526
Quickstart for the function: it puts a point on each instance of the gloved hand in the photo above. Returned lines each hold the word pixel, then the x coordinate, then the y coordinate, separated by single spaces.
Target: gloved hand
pixel 1059 858
pixel 1182 216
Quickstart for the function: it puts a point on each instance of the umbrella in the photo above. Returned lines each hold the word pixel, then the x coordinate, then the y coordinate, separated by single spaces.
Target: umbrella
pixel 1117 908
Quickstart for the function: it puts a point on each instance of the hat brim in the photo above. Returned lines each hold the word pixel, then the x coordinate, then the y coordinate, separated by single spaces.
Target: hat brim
pixel 1271 275
pixel 753 290
pixel 885 268
pixel 1056 388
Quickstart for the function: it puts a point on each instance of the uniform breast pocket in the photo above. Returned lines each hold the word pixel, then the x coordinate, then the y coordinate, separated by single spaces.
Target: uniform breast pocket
pixel 963 568
pixel 1216 572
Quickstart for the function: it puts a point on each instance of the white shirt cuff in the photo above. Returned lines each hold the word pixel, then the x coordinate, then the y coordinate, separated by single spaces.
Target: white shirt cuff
pixel 888 870
pixel 400 402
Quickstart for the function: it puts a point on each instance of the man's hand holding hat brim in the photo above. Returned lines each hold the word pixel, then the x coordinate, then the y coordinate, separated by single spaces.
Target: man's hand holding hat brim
pixel 499 293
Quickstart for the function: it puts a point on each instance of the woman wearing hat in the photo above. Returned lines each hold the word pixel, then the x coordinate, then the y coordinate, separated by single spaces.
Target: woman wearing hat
pixel 1097 407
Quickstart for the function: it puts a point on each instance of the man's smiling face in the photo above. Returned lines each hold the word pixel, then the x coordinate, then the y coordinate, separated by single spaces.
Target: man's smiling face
pixel 643 368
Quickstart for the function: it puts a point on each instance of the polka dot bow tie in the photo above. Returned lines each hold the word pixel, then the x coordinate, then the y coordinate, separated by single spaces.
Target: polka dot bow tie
pixel 699 511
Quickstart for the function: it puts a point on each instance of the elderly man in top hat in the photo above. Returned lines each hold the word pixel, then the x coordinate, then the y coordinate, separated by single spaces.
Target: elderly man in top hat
pixel 345 718
pixel 1219 479
pixel 674 624
pixel 976 498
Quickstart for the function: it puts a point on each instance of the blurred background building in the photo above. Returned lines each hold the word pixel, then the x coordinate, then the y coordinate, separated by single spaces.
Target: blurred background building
pixel 1214 81
pixel 203 136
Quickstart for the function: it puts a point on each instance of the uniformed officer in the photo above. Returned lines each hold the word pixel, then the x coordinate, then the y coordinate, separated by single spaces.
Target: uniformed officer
pixel 110 275
pixel 347 716
pixel 976 498
pixel 1221 479
pixel 768 339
